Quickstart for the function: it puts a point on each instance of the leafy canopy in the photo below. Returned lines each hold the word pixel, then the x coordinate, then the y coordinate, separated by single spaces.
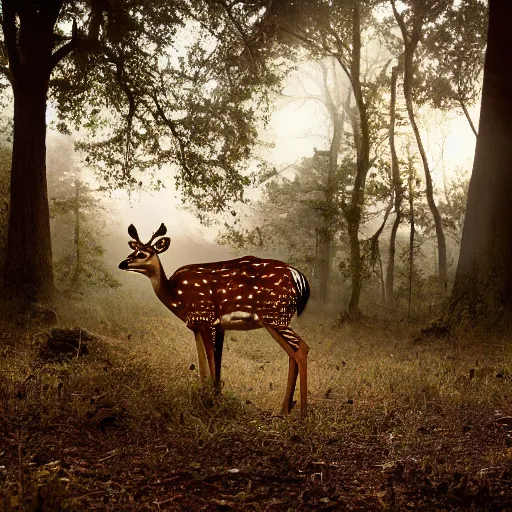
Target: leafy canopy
pixel 160 83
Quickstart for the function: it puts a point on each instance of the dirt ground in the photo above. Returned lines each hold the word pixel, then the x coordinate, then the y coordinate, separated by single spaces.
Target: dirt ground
pixel 72 441
pixel 112 468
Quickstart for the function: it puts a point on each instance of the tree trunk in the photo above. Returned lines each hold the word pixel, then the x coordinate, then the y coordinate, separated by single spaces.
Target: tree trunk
pixel 468 117
pixel 355 269
pixel 29 39
pixel 324 263
pixel 28 266
pixel 397 189
pixel 382 280
pixel 429 192
pixel 411 41
pixel 327 233
pixel 324 233
pixel 412 233
pixel 482 291
pixel 330 195
pixel 362 138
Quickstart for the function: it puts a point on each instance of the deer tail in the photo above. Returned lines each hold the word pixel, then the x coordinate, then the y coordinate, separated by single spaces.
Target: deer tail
pixel 301 284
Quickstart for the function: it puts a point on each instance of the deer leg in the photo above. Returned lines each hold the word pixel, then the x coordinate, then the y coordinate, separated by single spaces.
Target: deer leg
pixel 297 349
pixel 208 347
pixel 201 357
pixel 213 338
pixel 218 345
pixel 293 370
pixel 303 370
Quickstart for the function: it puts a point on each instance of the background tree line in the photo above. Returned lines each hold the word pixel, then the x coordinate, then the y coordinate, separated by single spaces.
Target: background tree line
pixel 377 65
pixel 187 87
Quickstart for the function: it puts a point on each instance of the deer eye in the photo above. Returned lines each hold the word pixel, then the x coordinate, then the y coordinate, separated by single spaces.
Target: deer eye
pixel 140 255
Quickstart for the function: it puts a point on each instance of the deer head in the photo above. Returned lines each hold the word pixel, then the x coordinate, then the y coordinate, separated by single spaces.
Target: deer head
pixel 144 258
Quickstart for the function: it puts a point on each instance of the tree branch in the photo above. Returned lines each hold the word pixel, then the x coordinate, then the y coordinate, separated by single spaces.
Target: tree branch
pixel 377 233
pixel 172 126
pixel 131 106
pixel 399 19
pixel 339 42
pixel 67 48
pixel 239 29
pixel 468 117
pixel 345 69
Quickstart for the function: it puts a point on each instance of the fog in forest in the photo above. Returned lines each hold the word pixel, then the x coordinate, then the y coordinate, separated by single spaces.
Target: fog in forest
pixel 298 127
pixel 255 255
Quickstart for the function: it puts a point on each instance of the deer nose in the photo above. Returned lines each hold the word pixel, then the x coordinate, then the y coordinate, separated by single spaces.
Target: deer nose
pixel 123 265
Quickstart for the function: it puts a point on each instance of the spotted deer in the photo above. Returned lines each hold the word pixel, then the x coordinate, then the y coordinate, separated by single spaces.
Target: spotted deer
pixel 240 294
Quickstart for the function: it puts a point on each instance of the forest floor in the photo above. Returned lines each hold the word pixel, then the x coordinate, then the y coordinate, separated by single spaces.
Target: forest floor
pixel 119 424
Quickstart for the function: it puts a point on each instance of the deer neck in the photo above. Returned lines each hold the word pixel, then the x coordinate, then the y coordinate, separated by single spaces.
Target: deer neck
pixel 160 283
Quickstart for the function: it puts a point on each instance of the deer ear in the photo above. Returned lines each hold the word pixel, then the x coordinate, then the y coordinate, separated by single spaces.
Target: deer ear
pixel 161 231
pixel 162 244
pixel 133 244
pixel 133 232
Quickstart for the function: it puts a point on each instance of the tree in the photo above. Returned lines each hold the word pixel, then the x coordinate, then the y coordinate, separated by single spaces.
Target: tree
pixel 411 23
pixel 78 217
pixel 289 221
pixel 398 191
pixel 453 207
pixel 335 100
pixel 455 48
pixel 482 292
pixel 336 108
pixel 5 167
pixel 337 29
pixel 125 60
pixel 412 231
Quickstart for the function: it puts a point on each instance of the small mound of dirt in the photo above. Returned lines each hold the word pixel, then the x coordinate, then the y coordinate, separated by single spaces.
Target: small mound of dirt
pixel 435 330
pixel 60 344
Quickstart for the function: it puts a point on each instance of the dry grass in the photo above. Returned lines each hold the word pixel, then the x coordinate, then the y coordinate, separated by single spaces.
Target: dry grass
pixel 392 425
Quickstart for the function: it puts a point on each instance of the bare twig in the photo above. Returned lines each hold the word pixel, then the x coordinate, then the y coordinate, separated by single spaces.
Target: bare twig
pixel 79 344
pixel 113 453
pixel 169 500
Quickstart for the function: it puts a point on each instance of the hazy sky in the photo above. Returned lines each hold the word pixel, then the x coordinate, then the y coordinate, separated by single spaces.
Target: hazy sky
pixel 297 127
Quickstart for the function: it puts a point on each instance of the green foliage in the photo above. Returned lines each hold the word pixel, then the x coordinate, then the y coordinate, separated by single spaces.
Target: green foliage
pixel 63 207
pixel 285 220
pixel 180 85
pixel 378 183
pixel 452 208
pixel 90 271
pixel 426 297
pixel 455 48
